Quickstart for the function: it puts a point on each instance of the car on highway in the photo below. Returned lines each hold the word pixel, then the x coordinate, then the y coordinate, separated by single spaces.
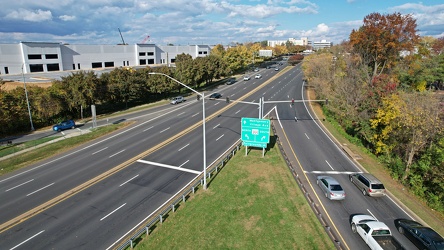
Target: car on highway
pixel 64 125
pixel 231 81
pixel 177 100
pixel 276 69
pixel 258 76
pixel 215 96
pixel 256 69
pixel 374 233
pixel 330 187
pixel 246 78
pixel 421 236
pixel 368 184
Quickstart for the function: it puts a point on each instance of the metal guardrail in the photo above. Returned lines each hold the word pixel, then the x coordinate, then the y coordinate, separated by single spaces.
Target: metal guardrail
pixel 318 213
pixel 144 227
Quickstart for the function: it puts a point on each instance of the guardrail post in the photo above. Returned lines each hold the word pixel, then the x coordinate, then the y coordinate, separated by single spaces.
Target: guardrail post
pixel 131 243
pixel 193 190
pixel 160 219
pixel 183 198
pixel 173 208
pixel 147 229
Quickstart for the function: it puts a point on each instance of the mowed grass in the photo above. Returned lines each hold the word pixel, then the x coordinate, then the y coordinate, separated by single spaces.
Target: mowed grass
pixel 38 154
pixel 253 203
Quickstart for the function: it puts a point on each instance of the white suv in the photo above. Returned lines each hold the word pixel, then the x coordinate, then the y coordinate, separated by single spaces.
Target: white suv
pixel 246 78
pixel 177 100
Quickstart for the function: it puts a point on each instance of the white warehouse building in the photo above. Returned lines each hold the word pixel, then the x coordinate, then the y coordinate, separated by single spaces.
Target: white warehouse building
pixel 34 57
pixel 302 42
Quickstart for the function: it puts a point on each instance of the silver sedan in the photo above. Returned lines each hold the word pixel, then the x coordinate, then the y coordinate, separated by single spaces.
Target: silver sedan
pixel 331 187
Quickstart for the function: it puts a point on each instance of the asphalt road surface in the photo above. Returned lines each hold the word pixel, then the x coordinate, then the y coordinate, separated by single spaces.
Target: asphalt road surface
pixel 157 156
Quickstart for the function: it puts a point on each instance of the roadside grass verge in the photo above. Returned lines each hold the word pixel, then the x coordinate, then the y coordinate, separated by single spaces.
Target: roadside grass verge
pixel 370 162
pixel 7 150
pixel 253 203
pixel 41 153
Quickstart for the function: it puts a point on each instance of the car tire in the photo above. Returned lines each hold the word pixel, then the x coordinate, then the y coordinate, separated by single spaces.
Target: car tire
pixel 363 192
pixel 401 230
pixel 353 227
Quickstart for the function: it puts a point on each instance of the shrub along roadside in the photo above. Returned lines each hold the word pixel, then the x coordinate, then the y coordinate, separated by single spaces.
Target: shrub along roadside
pixel 253 203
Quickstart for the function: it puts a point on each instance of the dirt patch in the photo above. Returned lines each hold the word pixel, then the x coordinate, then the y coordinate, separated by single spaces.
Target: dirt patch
pixel 13 85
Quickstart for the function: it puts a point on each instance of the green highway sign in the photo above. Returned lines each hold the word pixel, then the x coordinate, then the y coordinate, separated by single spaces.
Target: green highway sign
pixel 255 132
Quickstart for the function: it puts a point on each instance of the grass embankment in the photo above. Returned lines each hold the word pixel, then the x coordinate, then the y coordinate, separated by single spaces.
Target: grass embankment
pixel 41 153
pixel 370 162
pixel 253 203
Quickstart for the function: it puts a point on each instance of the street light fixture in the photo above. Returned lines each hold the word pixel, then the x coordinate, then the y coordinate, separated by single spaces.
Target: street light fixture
pixel 203 123
pixel 27 101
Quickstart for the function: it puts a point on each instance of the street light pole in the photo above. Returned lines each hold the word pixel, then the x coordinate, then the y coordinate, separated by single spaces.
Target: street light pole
pixel 27 101
pixel 203 124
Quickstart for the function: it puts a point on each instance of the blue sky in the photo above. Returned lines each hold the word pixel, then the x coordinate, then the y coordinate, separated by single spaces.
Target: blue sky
pixel 182 22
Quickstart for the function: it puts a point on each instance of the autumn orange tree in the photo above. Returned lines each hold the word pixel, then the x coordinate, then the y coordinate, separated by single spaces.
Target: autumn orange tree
pixel 381 38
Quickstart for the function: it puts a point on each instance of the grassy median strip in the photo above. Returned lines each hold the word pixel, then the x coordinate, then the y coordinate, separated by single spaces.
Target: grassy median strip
pixel 253 203
pixel 33 156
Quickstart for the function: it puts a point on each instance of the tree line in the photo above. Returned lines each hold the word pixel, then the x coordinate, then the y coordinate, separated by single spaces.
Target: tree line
pixel 384 87
pixel 121 88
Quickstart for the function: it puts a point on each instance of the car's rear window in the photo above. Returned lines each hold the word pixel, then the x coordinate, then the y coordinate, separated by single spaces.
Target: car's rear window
pixel 336 188
pixel 377 186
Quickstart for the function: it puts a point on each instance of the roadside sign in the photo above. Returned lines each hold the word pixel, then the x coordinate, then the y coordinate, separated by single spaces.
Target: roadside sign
pixel 255 132
pixel 255 144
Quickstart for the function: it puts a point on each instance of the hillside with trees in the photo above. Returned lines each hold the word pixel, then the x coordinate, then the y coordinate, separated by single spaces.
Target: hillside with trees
pixel 384 87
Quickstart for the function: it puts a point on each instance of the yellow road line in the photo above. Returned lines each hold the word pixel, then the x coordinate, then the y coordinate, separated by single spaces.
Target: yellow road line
pixel 311 186
pixel 62 197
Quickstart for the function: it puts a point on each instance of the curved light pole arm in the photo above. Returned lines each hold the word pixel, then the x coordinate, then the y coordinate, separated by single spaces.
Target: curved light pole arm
pixel 203 124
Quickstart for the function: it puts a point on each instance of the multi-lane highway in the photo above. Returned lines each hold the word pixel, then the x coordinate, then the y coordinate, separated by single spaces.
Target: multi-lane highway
pixel 104 207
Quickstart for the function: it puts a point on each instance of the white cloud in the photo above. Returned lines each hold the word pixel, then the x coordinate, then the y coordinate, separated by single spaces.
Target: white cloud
pixel 32 16
pixel 67 18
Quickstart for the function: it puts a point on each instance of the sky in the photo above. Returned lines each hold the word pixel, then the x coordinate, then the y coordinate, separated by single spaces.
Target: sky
pixel 209 22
